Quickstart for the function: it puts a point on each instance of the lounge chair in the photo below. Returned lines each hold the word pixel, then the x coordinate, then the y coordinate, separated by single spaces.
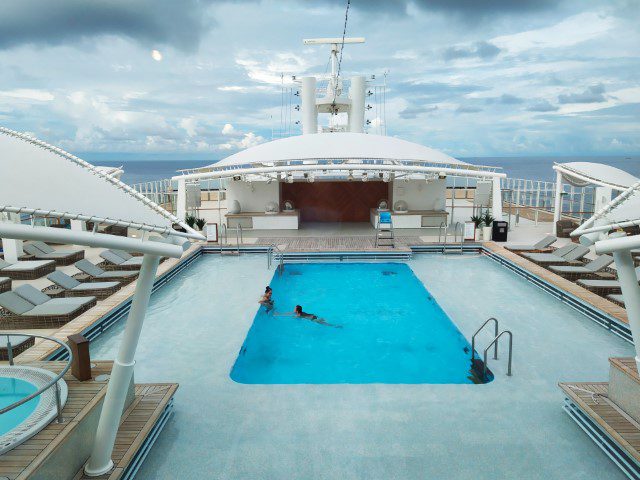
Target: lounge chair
pixel 96 274
pixel 28 307
pixel 543 244
pixel 27 270
pixel 42 251
pixel 617 299
pixel 563 256
pixel 5 284
pixel 118 261
pixel 73 288
pixel 19 343
pixel 589 270
pixel 603 287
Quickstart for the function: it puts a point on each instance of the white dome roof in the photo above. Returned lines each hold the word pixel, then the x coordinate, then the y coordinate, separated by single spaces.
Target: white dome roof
pixel 345 146
pixel 584 173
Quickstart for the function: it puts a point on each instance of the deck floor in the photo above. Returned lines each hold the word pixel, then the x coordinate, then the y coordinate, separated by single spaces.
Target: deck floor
pixel 25 459
pixel 592 398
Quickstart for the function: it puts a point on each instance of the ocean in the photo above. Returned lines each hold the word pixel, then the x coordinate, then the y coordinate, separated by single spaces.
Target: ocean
pixel 533 168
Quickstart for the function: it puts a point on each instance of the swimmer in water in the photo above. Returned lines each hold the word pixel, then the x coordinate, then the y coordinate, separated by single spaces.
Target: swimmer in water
pixel 266 299
pixel 308 316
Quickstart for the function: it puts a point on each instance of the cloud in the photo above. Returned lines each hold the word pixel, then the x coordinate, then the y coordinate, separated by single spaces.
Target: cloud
pixel 593 94
pixel 412 112
pixel 483 50
pixel 542 106
pixel 228 129
pixel 468 109
pixel 150 22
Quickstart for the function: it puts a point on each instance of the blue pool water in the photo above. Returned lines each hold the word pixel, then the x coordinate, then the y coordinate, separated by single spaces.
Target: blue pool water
pixel 12 390
pixel 390 330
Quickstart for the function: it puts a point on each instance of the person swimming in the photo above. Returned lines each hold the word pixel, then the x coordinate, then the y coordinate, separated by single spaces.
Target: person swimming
pixel 297 312
pixel 266 300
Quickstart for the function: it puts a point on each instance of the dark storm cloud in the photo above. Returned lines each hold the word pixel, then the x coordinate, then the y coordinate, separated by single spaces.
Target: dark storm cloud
pixel 179 24
pixel 593 94
pixel 484 50
pixel 542 106
pixel 412 112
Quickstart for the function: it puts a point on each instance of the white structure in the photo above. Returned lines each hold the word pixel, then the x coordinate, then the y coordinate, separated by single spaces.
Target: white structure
pixel 42 180
pixel 606 178
pixel 622 212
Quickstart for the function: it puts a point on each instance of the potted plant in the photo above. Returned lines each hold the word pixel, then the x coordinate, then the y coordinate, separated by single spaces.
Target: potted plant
pixel 477 221
pixel 190 220
pixel 487 221
pixel 200 223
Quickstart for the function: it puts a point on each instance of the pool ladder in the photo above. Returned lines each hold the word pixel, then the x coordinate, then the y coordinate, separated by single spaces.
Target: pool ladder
pixel 493 343
pixel 447 232
pixel 270 254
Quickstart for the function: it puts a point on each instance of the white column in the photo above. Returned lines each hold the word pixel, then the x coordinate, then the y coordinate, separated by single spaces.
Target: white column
pixel 12 249
pixel 557 207
pixel 308 106
pixel 181 201
pixel 630 294
pixel 100 461
pixel 357 92
pixel 496 206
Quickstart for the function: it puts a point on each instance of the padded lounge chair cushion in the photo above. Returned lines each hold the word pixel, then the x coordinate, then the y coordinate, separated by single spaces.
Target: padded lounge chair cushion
pixel 32 294
pixel 598 264
pixel 44 248
pixel 54 309
pixel 111 257
pixel 15 303
pixel 89 268
pixel 23 266
pixel 543 243
pixel 599 283
pixel 88 287
pixel 64 280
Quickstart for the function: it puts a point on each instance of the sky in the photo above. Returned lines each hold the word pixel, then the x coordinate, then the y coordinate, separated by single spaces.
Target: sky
pixel 203 79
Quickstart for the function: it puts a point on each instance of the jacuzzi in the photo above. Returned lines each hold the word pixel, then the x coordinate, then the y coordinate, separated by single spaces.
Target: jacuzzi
pixel 23 422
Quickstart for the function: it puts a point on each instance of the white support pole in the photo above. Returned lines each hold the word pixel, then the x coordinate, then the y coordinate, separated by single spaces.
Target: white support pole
pixel 357 92
pixel 557 207
pixel 12 248
pixel 181 201
pixel 308 105
pixel 630 294
pixel 496 206
pixel 100 461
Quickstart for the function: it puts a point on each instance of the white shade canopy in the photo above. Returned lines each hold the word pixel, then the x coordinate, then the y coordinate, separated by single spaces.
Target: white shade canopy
pixel 581 174
pixel 38 178
pixel 336 146
pixel 622 211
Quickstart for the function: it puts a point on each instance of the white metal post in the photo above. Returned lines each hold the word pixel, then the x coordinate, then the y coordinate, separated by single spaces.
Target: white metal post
pixel 630 294
pixel 181 201
pixel 100 461
pixel 557 208
pixel 12 248
pixel 496 207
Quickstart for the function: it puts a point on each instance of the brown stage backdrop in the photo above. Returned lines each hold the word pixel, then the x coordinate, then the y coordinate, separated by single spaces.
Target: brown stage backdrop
pixel 334 201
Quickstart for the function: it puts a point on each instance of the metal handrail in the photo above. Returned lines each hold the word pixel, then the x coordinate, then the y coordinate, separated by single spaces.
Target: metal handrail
pixel 49 384
pixel 270 252
pixel 473 337
pixel 224 235
pixel 239 236
pixel 442 224
pixel 495 340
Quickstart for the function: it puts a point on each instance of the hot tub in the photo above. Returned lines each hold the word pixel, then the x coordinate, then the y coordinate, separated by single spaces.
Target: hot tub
pixel 21 423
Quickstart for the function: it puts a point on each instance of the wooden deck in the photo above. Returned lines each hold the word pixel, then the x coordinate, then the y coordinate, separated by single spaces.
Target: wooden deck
pixel 592 400
pixel 140 417
pixel 338 243
pixel 568 286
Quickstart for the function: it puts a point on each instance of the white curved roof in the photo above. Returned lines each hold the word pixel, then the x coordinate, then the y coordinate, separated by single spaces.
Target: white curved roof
pixel 327 146
pixel 36 177
pixel 584 173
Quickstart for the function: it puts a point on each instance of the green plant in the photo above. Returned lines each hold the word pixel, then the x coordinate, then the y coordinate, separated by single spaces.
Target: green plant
pixel 487 219
pixel 477 220
pixel 200 223
pixel 190 220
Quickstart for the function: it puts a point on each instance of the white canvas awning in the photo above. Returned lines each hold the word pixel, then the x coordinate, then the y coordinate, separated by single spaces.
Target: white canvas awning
pixel 41 179
pixel 581 174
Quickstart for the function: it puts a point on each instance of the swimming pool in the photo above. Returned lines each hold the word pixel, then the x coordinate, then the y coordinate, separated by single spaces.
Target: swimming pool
pixel 512 427
pixel 383 327
pixel 12 390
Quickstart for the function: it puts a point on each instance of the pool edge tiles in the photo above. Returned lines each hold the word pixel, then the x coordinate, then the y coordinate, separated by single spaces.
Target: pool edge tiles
pixel 382 326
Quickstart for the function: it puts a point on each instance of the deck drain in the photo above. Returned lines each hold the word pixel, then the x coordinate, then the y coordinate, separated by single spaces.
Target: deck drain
pixel 102 378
